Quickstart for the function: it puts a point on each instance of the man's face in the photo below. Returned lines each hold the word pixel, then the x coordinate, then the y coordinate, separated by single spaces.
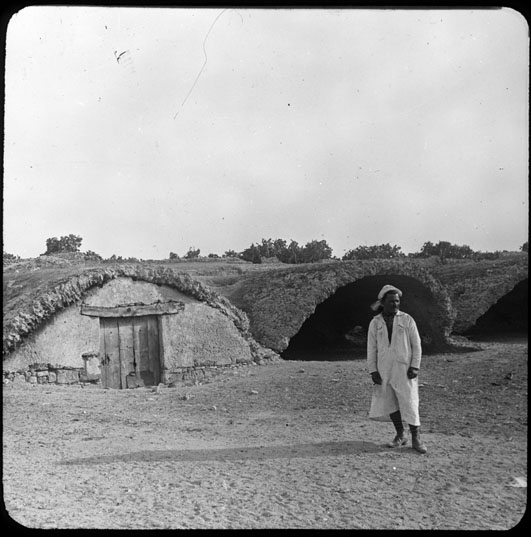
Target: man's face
pixel 391 303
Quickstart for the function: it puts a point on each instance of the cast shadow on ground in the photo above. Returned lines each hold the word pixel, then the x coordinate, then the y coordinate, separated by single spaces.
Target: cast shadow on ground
pixel 318 449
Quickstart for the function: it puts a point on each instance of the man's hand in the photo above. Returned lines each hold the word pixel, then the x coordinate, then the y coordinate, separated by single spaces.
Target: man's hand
pixel 376 378
pixel 412 373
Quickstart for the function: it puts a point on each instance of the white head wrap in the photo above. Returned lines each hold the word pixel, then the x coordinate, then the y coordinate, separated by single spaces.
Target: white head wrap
pixel 385 289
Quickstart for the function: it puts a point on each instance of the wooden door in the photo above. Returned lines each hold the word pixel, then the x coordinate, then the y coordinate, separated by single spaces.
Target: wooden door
pixel 110 353
pixel 130 351
pixel 145 332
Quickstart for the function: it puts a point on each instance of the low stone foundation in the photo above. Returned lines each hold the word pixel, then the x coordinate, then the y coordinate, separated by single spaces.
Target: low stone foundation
pixel 197 373
pixel 50 374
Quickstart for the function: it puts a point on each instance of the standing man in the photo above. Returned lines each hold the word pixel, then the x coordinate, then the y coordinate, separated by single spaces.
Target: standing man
pixel 393 359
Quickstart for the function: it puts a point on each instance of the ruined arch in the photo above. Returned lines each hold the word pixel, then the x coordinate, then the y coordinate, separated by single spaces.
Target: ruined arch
pixel 508 316
pixel 339 323
pixel 280 302
pixel 473 293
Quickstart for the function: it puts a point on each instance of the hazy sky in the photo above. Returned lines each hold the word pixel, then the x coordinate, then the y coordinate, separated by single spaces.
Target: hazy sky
pixel 147 131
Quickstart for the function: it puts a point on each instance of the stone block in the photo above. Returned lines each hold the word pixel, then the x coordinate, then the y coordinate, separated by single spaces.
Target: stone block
pixel 42 373
pixel 20 379
pixel 61 377
pixel 85 377
pixel 33 379
pixel 167 377
pixel 52 377
pixel 67 376
pixel 92 366
pixel 73 376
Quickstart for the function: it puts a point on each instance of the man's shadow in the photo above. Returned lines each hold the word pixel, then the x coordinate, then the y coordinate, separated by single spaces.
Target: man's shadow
pixel 310 450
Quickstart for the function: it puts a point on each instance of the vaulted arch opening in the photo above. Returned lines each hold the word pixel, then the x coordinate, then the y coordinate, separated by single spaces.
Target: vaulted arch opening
pixel 337 330
pixel 507 318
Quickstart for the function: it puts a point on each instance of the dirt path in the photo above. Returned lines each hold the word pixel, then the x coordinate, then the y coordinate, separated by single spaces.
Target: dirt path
pixel 277 446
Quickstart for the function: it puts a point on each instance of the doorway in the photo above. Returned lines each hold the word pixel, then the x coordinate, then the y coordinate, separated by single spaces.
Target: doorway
pixel 130 351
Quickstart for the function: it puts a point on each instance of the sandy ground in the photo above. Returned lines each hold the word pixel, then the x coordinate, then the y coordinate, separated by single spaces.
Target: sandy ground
pixel 279 446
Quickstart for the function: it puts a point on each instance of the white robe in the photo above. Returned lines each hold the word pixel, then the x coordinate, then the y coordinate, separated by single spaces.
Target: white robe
pixel 392 361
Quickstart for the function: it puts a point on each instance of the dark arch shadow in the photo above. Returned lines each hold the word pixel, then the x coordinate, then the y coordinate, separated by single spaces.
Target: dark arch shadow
pixel 311 450
pixel 331 333
pixel 508 318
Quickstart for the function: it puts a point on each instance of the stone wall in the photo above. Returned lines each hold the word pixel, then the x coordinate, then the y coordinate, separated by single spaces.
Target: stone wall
pixel 25 313
pixel 67 335
pixel 61 341
pixel 201 336
pixel 48 374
